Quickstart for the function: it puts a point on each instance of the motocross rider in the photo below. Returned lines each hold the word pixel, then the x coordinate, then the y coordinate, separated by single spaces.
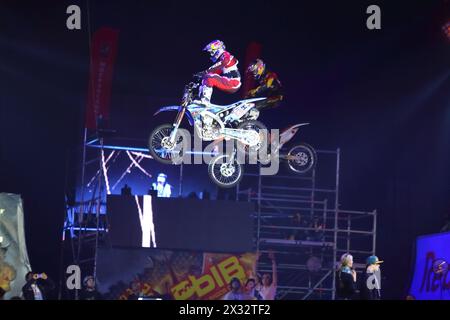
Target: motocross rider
pixel 269 85
pixel 223 74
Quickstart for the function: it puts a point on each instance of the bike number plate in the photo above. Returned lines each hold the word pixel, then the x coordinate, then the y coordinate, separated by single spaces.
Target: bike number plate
pixel 240 111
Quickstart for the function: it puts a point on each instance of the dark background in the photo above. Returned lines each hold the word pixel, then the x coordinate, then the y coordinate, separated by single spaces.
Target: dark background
pixel 381 96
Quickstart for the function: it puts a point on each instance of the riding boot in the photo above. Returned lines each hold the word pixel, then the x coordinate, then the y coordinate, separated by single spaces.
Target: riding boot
pixel 205 95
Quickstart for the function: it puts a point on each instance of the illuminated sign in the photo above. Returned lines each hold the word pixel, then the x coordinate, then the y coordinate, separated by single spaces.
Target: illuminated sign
pixel 431 279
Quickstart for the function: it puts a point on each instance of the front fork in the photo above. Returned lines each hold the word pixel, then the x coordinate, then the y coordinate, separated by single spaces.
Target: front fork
pixel 233 156
pixel 176 124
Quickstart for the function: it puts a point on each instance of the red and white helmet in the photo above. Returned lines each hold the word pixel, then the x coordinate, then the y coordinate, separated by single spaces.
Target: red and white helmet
pixel 215 49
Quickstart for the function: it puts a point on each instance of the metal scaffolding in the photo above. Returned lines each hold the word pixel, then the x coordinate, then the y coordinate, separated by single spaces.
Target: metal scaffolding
pixel 85 219
pixel 301 221
pixel 296 217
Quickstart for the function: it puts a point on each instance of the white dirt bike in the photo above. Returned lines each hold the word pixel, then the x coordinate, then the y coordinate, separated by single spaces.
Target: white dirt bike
pixel 299 158
pixel 236 121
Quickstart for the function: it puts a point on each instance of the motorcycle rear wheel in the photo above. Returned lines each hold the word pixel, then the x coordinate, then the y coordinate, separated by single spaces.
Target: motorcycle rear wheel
pixel 301 158
pixel 160 147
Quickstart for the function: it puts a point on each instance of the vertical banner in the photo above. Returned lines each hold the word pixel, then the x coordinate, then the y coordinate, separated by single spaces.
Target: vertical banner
pixel 252 53
pixel 103 55
pixel 14 262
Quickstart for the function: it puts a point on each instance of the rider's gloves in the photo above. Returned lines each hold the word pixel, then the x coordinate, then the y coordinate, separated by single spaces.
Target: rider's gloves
pixel 251 93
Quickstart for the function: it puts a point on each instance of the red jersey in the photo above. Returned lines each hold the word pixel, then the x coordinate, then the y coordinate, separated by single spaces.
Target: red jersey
pixel 226 66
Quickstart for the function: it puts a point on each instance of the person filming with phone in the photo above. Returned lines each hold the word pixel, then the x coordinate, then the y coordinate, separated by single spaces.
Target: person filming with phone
pixel 38 286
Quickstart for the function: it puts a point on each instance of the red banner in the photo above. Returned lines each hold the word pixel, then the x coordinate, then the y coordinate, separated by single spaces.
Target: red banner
pixel 253 52
pixel 103 56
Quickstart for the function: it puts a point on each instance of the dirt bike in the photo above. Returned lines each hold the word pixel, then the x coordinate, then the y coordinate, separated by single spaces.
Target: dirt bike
pixel 236 121
pixel 226 171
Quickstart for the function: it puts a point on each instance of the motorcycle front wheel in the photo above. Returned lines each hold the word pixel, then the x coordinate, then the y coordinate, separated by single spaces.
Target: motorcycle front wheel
pixel 160 147
pixel 224 172
pixel 301 158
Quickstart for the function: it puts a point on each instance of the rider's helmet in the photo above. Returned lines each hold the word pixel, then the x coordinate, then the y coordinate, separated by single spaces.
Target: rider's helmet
pixel 257 68
pixel 215 49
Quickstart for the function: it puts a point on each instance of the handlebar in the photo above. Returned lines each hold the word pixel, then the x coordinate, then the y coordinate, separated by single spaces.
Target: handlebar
pixel 198 75
pixel 195 83
pixel 192 85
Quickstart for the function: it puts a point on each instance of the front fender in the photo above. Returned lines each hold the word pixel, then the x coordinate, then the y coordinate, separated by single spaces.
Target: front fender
pixel 176 108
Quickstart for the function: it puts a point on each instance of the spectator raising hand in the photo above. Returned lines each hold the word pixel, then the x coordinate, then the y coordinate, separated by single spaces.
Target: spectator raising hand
pixel 269 281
